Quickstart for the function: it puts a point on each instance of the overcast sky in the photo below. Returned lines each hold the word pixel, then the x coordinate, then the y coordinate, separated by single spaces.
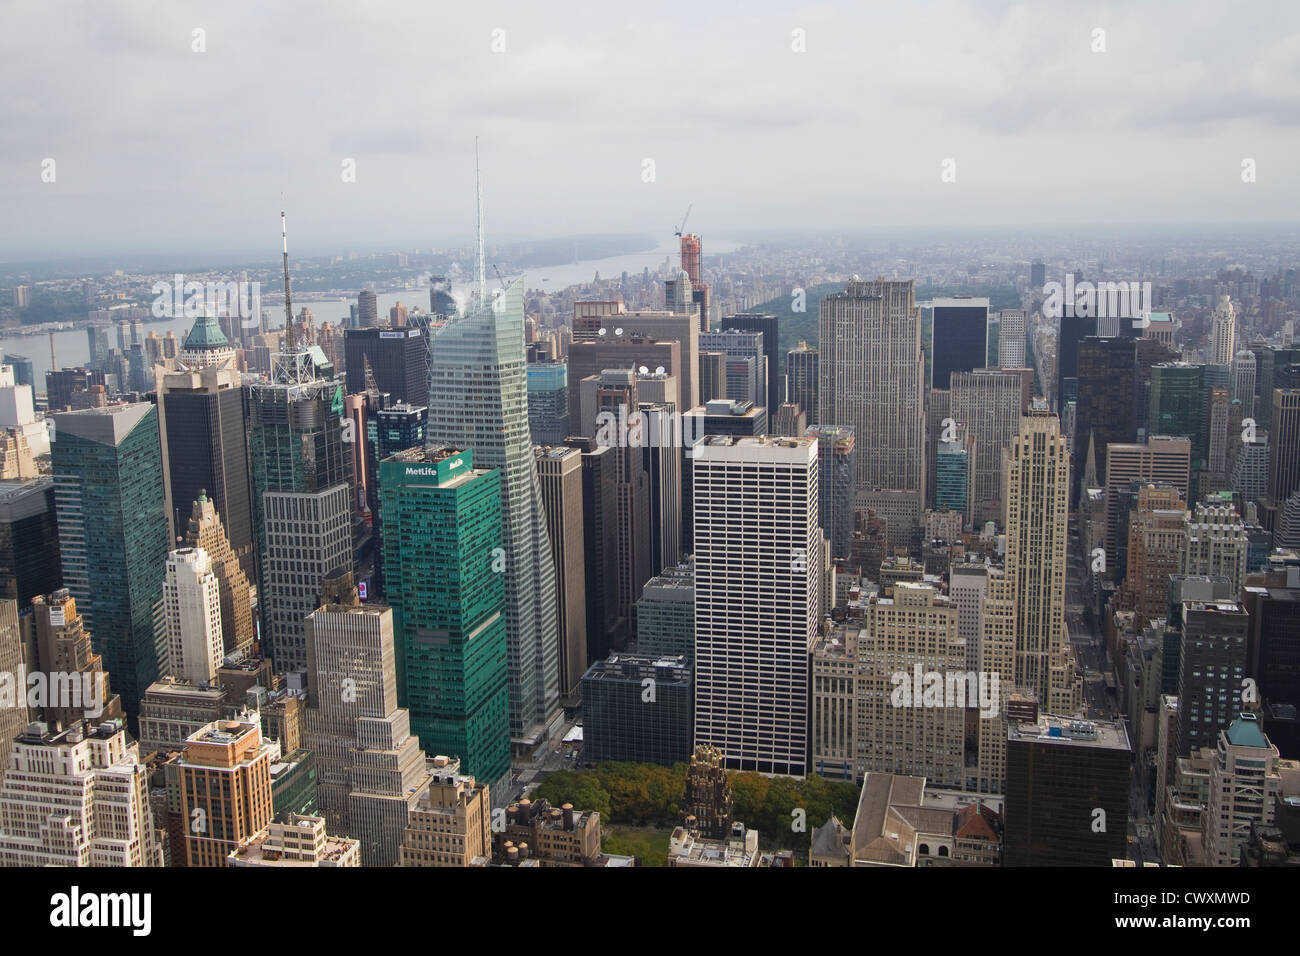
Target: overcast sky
pixel 158 147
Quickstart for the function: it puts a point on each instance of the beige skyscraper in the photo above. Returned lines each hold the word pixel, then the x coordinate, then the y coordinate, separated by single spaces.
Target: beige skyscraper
pixel 559 470
pixel 206 531
pixel 77 797
pixel 1155 551
pixel 452 824
pixel 1223 333
pixel 988 402
pixel 225 788
pixel 372 770
pixel 1246 778
pixel 13 714
pixel 871 377
pixel 1036 482
pixel 1215 543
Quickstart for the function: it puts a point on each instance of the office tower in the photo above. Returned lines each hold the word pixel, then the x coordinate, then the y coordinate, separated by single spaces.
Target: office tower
pixel 1223 333
pixel 445 573
pixel 1011 338
pixel 1160 459
pixel 801 382
pixel 170 712
pixel 1284 445
pixel 396 357
pixel 952 473
pixel 18 413
pixel 29 540
pixel 907 638
pixel 303 495
pixel 59 646
pixel 1037 275
pixel 441 301
pixel 661 461
pixel 192 604
pixel 718 417
pixel 757 591
pixel 204 441
pixel 77 796
pixel 959 336
pixel 665 615
pixel 1073 330
pixel 766 325
pixel 1157 533
pixel 600 508
pixel 559 470
pixel 988 403
pixel 589 358
pixel 299 840
pixel 615 397
pixel 871 377
pixel 1243 381
pixel 205 531
pixel 836 468
pixel 113 542
pixel 611 324
pixel 968 584
pixel 833 702
pixel 225 788
pixel 638 708
pixel 1178 405
pixel 789 420
pixel 22 366
pixel 1211 668
pixel 677 296
pixel 452 823
pixel 1246 779
pixel 1215 543
pixel 548 403
pixel 1036 474
pixel 1223 431
pixel 713 376
pixel 367 309
pixel 1067 793
pixel 1104 411
pixel 13 712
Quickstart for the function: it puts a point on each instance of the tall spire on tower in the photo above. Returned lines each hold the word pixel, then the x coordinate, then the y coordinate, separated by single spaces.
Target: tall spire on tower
pixel 288 306
pixel 482 259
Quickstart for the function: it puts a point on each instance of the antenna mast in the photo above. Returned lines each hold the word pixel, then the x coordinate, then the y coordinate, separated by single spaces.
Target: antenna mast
pixel 288 306
pixel 482 260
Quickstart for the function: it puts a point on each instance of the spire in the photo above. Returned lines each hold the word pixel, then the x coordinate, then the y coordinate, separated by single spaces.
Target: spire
pixel 482 259
pixel 1090 465
pixel 288 306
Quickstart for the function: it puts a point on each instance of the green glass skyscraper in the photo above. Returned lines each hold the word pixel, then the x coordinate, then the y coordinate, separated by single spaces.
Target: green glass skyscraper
pixel 113 537
pixel 445 568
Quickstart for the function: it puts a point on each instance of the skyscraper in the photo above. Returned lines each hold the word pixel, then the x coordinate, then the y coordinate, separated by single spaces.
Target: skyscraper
pixel 559 469
pixel 367 309
pixel 479 402
pixel 605 629
pixel 548 402
pixel 192 603
pixel 871 377
pixel 1245 783
pixel 1036 474
pixel 988 403
pixel 303 495
pixel 1223 333
pixel 757 590
pixel 1011 338
pixel 396 357
pixel 959 336
pixel 113 536
pixel 206 531
pixel 1104 411
pixel 1211 670
pixel 225 788
pixel 29 540
pixel 204 440
pixel 836 468
pixel 445 570
pixel 767 324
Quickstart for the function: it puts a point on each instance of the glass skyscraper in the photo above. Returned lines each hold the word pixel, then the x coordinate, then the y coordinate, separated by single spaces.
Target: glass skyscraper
pixel 446 585
pixel 478 400
pixel 113 537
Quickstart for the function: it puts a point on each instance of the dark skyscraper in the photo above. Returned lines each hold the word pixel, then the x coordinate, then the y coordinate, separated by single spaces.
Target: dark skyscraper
pixel 605 629
pixel 1211 670
pixel 1104 409
pixel 801 380
pixel 766 324
pixel 29 540
pixel 397 360
pixel 1074 329
pixel 113 537
pixel 959 336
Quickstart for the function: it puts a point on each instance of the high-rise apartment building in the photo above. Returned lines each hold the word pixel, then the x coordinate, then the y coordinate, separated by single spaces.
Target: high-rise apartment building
pixel 192 604
pixel 444 566
pixel 479 401
pixel 113 536
pixel 757 594
pixel 225 788
pixel 1036 479
pixel 871 377
pixel 77 796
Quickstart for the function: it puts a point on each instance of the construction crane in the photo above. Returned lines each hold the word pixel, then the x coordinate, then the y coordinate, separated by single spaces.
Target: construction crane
pixel 684 218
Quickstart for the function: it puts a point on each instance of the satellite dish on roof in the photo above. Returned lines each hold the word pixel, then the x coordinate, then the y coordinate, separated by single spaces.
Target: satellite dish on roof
pixel 601 332
pixel 643 370
pixel 659 370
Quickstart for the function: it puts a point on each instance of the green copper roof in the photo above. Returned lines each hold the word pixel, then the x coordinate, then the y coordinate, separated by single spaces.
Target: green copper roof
pixel 1245 732
pixel 206 334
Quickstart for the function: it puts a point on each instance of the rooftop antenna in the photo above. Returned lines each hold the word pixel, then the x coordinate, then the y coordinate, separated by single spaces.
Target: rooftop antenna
pixel 288 306
pixel 482 260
